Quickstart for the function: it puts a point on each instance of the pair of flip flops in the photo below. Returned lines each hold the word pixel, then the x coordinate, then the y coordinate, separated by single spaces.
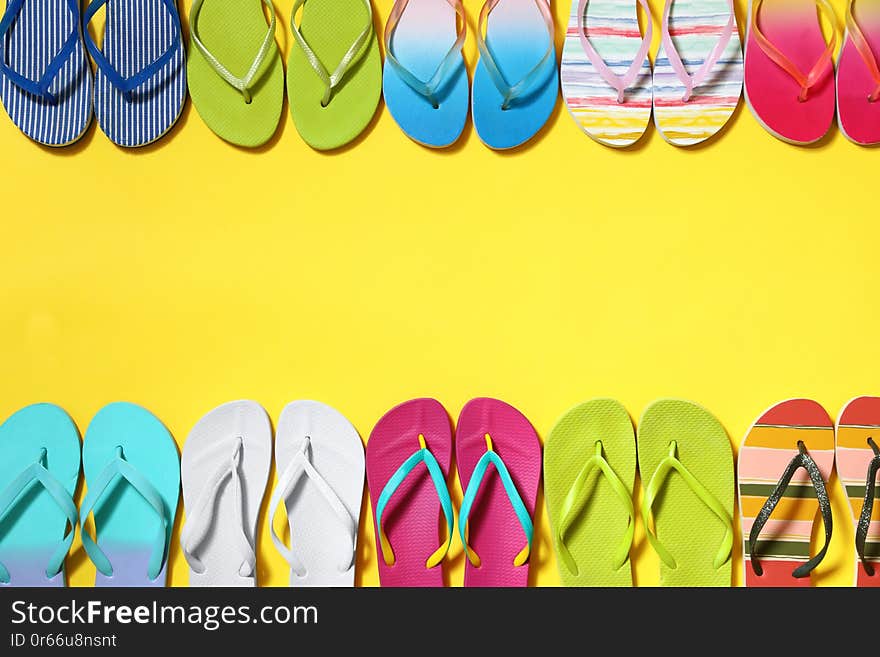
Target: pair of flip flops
pixel 425 81
pixel 686 465
pixel 237 78
pixel 790 82
pixel 47 86
pixel 785 461
pixel 132 474
pixel 607 81
pixel 226 460
pixel 409 455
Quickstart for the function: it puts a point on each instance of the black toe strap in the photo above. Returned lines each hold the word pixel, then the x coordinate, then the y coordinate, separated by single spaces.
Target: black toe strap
pixel 868 508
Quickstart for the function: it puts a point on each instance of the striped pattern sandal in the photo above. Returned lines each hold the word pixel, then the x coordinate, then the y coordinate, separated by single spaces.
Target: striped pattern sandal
pixel 140 84
pixel 858 461
pixel 605 72
pixel 784 462
pixel 46 83
pixel 698 71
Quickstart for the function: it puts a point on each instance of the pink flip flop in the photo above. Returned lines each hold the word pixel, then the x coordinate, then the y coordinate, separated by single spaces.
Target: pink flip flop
pixel 789 69
pixel 408 500
pixel 858 75
pixel 498 504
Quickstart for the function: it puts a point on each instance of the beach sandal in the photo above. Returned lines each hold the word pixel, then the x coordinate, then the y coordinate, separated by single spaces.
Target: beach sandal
pixel 38 475
pixel 605 72
pixel 236 78
pixel 858 75
pixel 698 71
pixel 424 81
pixel 784 462
pixel 319 459
pixel 45 80
pixel 132 475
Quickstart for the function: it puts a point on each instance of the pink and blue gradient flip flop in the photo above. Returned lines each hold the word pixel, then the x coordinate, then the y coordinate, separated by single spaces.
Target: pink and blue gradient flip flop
pixel 858 75
pixel 495 522
pixel 132 471
pixel 408 458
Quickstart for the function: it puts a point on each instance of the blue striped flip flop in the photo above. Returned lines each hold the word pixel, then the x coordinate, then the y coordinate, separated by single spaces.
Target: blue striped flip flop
pixel 140 84
pixel 45 80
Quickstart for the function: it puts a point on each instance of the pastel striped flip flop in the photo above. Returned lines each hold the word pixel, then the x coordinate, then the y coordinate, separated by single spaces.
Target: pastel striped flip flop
pixel 516 83
pixel 424 81
pixel 698 71
pixel 858 75
pixel 784 462
pixel 495 522
pixel 589 472
pixel 686 466
pixel 132 474
pixel 45 80
pixel 38 475
pixel 140 83
pixel 858 461
pixel 407 499
pixel 605 72
pixel 789 69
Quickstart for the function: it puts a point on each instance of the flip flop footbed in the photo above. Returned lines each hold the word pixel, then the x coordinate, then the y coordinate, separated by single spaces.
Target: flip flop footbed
pixel 31 44
pixel 612 27
pixel 599 522
pixel 768 448
pixel 236 431
pixel 324 543
pixel 34 526
pixel 695 27
pixel 494 531
pixel 858 117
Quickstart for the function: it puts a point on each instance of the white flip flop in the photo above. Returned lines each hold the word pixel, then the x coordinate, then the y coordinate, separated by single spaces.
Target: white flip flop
pixel 225 469
pixel 319 458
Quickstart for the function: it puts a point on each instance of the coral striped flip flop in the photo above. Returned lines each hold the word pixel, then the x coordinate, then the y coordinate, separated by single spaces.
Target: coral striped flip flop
pixel 606 73
pixel 698 71
pixel 858 462
pixel 495 521
pixel 45 80
pixel 409 500
pixel 858 75
pixel 789 69
pixel 140 84
pixel 784 462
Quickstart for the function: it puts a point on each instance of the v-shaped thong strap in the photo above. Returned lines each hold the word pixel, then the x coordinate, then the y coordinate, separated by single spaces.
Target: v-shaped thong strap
pixel 864 49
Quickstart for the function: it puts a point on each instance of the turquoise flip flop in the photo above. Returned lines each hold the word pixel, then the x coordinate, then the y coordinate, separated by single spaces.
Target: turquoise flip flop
pixel 132 472
pixel 39 469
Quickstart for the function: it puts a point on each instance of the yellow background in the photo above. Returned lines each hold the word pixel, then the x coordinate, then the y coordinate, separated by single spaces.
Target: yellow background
pixel 190 273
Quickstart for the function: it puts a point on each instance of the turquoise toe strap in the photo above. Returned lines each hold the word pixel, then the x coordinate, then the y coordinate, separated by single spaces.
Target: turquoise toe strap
pixel 11 495
pixel 120 467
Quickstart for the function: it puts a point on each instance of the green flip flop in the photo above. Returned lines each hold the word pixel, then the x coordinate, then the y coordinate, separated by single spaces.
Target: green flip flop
pixel 329 108
pixel 235 74
pixel 589 471
pixel 686 464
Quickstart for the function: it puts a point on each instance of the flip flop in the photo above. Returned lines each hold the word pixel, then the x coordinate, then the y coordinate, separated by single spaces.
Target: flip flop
pixel 424 81
pixel 408 500
pixel 858 460
pixel 698 71
pixel 140 84
pixel 332 108
pixel 45 80
pixel 784 462
pixel 495 520
pixel 686 466
pixel 515 83
pixel 589 472
pixel 606 73
pixel 132 472
pixel 319 458
pixel 858 75
pixel 38 475
pixel 236 78
pixel 789 69
pixel 225 466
